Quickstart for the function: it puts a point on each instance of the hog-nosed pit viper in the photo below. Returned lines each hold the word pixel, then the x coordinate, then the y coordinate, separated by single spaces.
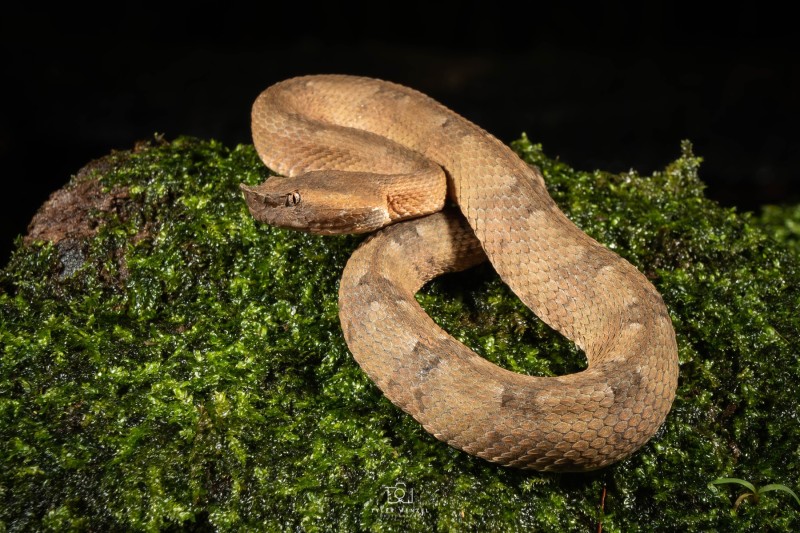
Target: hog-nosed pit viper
pixel 357 154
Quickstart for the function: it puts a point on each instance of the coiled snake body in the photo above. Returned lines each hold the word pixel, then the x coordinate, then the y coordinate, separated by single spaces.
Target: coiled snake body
pixel 360 153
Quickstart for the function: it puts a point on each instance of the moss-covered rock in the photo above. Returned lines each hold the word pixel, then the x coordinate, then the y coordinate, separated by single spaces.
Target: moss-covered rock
pixel 168 363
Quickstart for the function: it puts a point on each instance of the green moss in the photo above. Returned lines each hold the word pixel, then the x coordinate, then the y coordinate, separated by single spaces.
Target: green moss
pixel 783 222
pixel 189 370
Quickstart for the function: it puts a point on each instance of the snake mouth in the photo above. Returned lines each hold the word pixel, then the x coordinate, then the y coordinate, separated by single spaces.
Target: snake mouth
pixel 340 221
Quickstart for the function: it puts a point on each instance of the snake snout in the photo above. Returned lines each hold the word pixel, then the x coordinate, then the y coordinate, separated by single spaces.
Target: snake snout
pixel 266 203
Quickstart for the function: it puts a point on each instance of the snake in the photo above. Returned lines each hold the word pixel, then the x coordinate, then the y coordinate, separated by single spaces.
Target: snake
pixel 439 194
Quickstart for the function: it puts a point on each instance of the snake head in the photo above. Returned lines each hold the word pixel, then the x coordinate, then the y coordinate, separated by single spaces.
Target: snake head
pixel 316 202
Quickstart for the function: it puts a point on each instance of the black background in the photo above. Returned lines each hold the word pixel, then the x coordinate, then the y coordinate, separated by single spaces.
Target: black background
pixel 608 86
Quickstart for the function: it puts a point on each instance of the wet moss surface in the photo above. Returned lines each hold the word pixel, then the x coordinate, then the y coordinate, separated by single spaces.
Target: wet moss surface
pixel 170 364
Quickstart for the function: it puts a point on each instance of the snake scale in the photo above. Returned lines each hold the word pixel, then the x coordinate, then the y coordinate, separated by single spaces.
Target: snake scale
pixel 356 154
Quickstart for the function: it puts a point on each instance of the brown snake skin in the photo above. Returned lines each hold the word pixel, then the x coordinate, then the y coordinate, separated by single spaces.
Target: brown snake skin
pixel 325 133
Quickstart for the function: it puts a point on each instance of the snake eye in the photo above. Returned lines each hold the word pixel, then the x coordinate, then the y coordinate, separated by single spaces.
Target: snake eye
pixel 293 198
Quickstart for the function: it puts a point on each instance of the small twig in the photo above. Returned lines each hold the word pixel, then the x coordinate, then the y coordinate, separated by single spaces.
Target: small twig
pixel 602 509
